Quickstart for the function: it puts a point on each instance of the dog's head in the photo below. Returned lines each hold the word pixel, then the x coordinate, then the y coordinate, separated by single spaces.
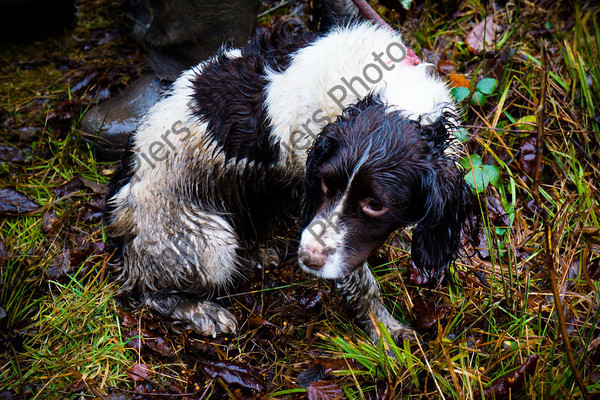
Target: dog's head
pixel 374 171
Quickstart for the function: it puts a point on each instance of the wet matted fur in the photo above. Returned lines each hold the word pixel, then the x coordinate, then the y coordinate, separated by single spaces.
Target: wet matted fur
pixel 288 134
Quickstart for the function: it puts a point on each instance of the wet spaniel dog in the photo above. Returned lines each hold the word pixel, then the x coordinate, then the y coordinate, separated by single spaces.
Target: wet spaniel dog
pixel 344 136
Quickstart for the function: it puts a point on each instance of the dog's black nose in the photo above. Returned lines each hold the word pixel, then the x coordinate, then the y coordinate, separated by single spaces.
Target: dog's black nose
pixel 314 258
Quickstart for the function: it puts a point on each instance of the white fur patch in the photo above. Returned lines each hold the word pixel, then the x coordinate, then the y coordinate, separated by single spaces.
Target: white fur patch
pixel 330 235
pixel 298 102
pixel 218 249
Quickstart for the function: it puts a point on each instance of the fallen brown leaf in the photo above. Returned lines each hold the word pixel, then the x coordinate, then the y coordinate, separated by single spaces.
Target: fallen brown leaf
pixel 322 368
pixel 72 186
pixel 457 80
pixel 10 154
pixel 139 372
pixel 13 202
pixel 428 313
pixel 510 383
pixel 49 222
pixel 483 35
pixel 324 390
pixel 496 212
pixel 445 67
pixel 527 155
pixel 235 373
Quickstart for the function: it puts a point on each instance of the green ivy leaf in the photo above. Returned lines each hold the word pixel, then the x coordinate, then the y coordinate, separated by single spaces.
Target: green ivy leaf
pixel 478 99
pixel 493 174
pixel 460 93
pixel 477 179
pixel 472 161
pixel 487 85
pixel 479 176
pixel 501 231
pixel 527 123
pixel 462 135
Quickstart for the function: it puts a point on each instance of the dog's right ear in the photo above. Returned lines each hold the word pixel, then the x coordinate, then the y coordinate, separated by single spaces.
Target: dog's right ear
pixel 321 150
pixel 447 202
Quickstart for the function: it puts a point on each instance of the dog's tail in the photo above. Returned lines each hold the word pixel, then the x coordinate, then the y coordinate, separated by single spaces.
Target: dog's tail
pixel 331 13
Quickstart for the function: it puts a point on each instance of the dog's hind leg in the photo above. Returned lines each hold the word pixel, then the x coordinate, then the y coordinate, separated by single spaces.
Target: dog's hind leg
pixel 362 298
pixel 180 257
pixel 203 316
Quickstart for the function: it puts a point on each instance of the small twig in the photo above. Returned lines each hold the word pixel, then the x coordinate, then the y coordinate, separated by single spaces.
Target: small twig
pixel 369 13
pixel 165 394
pixel 429 367
pixel 549 243
pixel 222 383
pixel 459 391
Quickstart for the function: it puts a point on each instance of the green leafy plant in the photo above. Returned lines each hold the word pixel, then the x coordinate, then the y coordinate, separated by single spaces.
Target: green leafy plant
pixel 460 93
pixel 483 89
pixel 479 175
pixel 462 135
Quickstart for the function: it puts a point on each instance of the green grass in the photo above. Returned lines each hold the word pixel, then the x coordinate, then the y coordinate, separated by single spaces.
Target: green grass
pixel 493 329
pixel 73 340
pixel 60 334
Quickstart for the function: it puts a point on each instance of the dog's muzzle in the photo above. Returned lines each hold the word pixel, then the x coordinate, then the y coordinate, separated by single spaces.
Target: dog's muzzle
pixel 315 258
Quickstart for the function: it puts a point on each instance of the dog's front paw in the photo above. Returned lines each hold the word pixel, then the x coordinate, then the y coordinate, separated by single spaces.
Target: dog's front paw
pixel 210 319
pixel 397 330
pixel 268 257
pixel 400 332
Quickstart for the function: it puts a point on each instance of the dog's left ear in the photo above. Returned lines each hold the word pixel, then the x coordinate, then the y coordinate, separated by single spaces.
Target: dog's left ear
pixel 447 202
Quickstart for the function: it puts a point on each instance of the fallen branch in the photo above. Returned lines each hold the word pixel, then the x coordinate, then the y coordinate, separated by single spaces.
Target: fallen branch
pixel 369 13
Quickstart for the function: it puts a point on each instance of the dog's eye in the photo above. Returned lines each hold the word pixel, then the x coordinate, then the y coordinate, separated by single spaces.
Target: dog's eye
pixel 372 207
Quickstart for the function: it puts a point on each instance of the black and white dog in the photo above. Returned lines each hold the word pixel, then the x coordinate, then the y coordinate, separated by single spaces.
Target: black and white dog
pixel 345 134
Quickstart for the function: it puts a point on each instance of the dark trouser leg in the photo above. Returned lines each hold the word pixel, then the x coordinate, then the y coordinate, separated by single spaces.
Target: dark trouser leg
pixel 179 34
pixel 184 32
